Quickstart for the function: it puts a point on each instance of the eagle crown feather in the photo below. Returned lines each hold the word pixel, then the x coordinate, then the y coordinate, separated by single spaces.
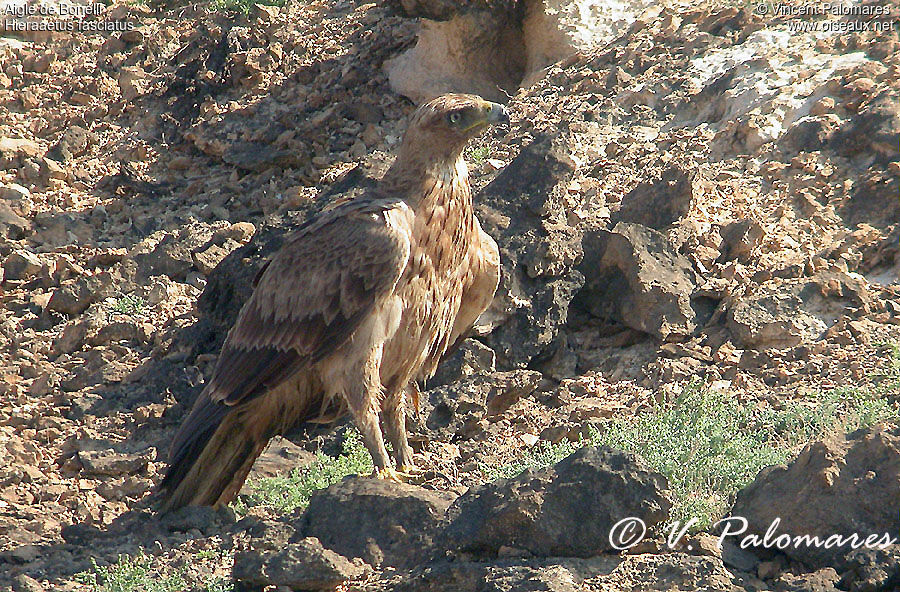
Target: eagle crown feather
pixel 432 147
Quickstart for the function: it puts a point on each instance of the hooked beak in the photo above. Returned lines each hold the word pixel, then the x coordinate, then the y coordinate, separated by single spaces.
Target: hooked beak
pixel 496 114
pixel 491 114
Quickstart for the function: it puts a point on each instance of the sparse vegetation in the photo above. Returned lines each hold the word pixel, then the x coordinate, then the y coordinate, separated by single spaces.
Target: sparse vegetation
pixel 129 304
pixel 243 6
pixel 709 445
pixel 284 494
pixel 131 574
pixel 477 154
pixel 142 573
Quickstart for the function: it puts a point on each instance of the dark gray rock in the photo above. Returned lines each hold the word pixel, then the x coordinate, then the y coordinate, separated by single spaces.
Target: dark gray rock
pixel 670 572
pixel 382 522
pixel 837 486
pixel 533 575
pixel 566 510
pixel 657 204
pixel 525 209
pixel 636 278
pixel 741 239
pixel 451 410
pixel 206 519
pixel 473 357
pixel 301 565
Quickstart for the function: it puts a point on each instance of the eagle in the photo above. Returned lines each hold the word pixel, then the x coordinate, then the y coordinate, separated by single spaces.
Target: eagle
pixel 361 302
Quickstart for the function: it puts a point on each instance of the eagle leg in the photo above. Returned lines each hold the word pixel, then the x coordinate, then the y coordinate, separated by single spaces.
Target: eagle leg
pixel 394 417
pixel 367 422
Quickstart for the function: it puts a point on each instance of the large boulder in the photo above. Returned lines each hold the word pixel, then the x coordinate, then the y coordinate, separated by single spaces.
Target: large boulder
pixel 300 565
pixel 384 523
pixel 837 486
pixel 637 278
pixel 525 209
pixel 567 510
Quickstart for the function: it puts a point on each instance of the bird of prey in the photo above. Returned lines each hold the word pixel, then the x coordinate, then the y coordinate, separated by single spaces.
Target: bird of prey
pixel 360 302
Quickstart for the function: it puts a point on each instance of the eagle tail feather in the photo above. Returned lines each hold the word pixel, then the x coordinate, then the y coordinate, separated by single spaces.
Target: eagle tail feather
pixel 211 457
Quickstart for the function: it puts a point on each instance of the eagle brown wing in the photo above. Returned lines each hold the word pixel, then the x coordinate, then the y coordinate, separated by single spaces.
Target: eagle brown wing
pixel 312 296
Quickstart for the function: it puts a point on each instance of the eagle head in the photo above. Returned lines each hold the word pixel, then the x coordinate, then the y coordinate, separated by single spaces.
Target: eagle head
pixel 439 129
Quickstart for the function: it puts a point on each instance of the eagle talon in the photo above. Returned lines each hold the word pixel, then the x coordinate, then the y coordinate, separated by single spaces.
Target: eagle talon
pixel 388 474
pixel 410 470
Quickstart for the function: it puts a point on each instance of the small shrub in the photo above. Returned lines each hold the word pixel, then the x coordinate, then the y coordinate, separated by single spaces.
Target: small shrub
pixel 284 494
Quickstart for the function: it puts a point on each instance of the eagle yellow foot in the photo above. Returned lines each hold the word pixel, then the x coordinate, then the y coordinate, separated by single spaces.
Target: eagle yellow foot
pixel 388 474
pixel 411 474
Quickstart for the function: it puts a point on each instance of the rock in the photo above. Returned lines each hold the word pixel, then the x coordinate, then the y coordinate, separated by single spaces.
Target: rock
pixel 451 410
pixel 857 473
pixel 75 296
pixel 535 575
pixel 741 239
pixel 132 82
pixel 280 457
pixel 785 313
pixel 12 225
pixel 873 131
pixel 666 573
pixel 658 204
pixel 71 339
pixel 525 208
pixel 50 169
pixel 256 156
pixel 639 280
pixel 129 330
pixel 207 259
pixel 14 192
pixel 74 142
pixel 566 510
pixel 556 29
pixel 822 580
pixel 301 565
pixel 206 519
pixel 13 151
pixel 473 357
pixel 21 265
pixel 25 583
pixel 444 10
pixel 382 522
pixel 110 462
pixel 445 59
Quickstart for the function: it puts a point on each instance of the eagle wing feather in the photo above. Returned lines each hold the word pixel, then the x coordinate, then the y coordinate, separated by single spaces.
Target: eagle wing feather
pixel 311 297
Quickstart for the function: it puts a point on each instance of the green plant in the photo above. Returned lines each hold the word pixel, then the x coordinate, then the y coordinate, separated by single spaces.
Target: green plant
pixel 144 573
pixel 130 574
pixel 478 154
pixel 242 6
pixel 129 304
pixel 284 494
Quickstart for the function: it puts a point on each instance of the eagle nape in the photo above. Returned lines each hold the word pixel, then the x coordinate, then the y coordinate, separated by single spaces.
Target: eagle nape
pixel 359 303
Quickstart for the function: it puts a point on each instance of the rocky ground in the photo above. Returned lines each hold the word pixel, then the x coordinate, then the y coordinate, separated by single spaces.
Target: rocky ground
pixel 705 192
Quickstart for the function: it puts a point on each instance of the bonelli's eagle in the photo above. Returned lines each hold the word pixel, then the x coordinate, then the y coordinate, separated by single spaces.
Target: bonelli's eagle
pixel 360 301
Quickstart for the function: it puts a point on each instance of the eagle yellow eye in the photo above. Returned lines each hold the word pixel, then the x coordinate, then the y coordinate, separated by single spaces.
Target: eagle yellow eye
pixel 455 117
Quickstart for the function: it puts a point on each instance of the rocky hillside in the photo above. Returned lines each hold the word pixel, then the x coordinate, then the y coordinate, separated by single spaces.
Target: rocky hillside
pixel 691 198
